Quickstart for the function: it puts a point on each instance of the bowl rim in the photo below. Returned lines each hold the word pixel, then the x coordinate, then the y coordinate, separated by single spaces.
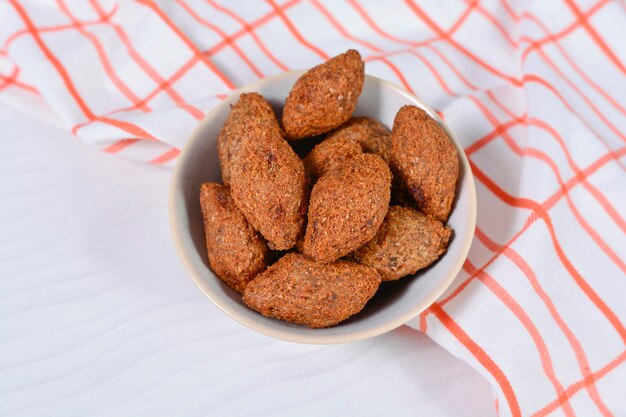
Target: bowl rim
pixel 176 230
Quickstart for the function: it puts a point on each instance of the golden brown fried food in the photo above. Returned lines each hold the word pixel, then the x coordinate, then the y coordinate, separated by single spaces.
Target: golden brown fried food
pixel 251 108
pixel 426 160
pixel 347 206
pixel 270 185
pixel 299 290
pixel 406 242
pixel 324 97
pixel 372 135
pixel 236 252
pixel 330 153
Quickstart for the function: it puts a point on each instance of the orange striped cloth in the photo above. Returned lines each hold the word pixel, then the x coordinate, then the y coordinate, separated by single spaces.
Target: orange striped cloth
pixel 535 91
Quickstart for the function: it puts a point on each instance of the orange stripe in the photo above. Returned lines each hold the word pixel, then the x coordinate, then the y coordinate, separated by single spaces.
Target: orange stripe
pixel 412 51
pixel 573 86
pixel 296 34
pixel 516 82
pixel 194 59
pixel 7 81
pixel 166 157
pixel 574 388
pixel 580 281
pixel 456 25
pixel 581 358
pixel 606 205
pixel 548 161
pixel 535 79
pixel 578 70
pixel 17 83
pixel 128 127
pixel 524 319
pixel 423 322
pixel 501 128
pixel 145 66
pixel 55 62
pixel 167 83
pixel 549 203
pixel 564 32
pixel 604 202
pixel 435 28
pixel 481 356
pixel 496 23
pixel 437 76
pixel 155 8
pixel 596 36
pixel 120 145
pixel 453 68
pixel 372 24
pixel 192 110
pixel 343 32
pixel 341 29
pixel 248 29
pixel 8 41
pixel 224 36
pixel 399 74
pixel 108 68
pixel 509 10
pixel 66 79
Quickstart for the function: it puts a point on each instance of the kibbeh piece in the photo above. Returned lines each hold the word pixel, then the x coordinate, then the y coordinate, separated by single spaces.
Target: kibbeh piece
pixel 426 160
pixel 372 135
pixel 270 185
pixel 347 206
pixel 236 252
pixel 330 153
pixel 324 97
pixel 302 291
pixel 406 242
pixel 251 108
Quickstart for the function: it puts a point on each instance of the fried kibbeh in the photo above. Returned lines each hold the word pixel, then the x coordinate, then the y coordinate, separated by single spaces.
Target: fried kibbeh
pixel 330 153
pixel 302 291
pixel 426 160
pixel 251 108
pixel 324 97
pixel 347 206
pixel 406 242
pixel 236 252
pixel 372 135
pixel 270 185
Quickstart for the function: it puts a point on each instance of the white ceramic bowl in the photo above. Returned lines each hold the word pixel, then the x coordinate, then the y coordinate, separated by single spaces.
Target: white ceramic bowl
pixel 394 304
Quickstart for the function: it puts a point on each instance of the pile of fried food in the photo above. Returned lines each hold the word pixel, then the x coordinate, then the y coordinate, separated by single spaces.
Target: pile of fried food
pixel 327 217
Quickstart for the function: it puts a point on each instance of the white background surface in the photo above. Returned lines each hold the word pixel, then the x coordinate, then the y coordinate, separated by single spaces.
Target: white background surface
pixel 98 318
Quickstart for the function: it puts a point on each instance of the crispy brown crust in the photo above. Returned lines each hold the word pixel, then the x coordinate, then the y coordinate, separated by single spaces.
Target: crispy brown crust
pixel 324 97
pixel 270 185
pixel 347 206
pixel 426 160
pixel 330 153
pixel 251 108
pixel 236 252
pixel 372 135
pixel 406 242
pixel 299 290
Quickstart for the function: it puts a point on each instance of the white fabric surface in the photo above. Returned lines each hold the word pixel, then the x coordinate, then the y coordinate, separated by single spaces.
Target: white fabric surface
pixel 97 317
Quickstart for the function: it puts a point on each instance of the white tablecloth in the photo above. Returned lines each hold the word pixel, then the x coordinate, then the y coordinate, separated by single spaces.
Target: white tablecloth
pixel 98 318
